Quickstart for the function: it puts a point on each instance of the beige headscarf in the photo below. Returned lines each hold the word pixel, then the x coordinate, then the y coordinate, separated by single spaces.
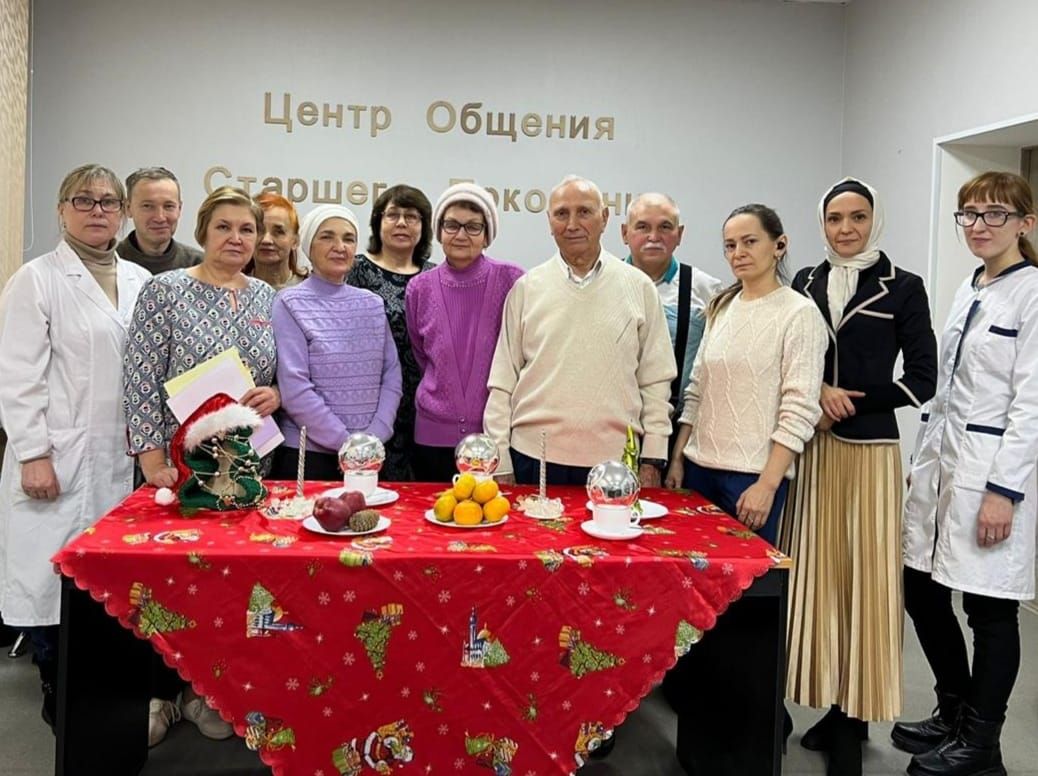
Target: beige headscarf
pixel 843 275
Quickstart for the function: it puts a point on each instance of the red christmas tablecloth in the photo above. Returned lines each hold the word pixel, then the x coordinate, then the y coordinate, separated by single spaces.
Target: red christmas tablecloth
pixel 426 648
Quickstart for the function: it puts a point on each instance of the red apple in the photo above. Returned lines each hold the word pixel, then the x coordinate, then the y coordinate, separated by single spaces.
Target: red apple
pixel 354 499
pixel 332 513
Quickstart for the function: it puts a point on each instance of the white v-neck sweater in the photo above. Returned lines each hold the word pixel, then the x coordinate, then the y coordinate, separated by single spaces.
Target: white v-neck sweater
pixel 581 364
pixel 757 379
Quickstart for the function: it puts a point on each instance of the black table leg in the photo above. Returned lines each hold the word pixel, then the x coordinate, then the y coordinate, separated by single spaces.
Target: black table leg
pixel 729 689
pixel 103 689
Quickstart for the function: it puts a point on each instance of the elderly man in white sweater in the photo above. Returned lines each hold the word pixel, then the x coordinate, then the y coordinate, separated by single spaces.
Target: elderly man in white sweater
pixel 584 352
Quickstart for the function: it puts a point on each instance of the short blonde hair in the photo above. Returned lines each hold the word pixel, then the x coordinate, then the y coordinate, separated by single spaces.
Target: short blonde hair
pixel 79 178
pixel 225 195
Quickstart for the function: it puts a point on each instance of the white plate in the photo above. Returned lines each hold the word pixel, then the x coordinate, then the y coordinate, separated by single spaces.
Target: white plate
pixel 379 498
pixel 431 517
pixel 650 509
pixel 589 527
pixel 311 524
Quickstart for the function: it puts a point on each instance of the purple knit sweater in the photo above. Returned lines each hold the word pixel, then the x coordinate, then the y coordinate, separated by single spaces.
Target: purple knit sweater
pixel 453 319
pixel 338 371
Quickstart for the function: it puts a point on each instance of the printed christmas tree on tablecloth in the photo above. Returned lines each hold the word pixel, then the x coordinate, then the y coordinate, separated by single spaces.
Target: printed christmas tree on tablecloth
pixel 580 657
pixel 374 632
pixel 150 616
pixel 687 635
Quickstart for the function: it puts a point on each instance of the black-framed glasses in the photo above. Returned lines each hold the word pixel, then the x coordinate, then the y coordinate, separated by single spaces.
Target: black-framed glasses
pixel 411 217
pixel 990 217
pixel 475 228
pixel 86 204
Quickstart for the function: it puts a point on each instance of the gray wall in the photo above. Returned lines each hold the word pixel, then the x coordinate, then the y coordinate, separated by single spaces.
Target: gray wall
pixel 718 103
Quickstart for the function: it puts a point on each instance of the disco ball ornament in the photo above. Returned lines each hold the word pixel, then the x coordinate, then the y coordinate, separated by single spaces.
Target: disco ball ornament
pixel 477 453
pixel 361 452
pixel 612 483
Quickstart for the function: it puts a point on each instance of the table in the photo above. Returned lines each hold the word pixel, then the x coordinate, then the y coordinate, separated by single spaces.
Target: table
pixel 513 649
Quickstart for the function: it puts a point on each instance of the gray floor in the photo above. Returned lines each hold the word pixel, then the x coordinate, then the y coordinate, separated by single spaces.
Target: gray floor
pixel 645 746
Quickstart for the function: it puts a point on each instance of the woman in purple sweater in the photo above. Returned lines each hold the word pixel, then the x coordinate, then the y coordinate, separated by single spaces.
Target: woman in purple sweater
pixel 338 370
pixel 453 319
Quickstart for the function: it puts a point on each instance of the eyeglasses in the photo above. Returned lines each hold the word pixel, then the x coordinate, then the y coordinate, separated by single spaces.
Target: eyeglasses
pixel 475 228
pixel 991 217
pixel 86 204
pixel 411 218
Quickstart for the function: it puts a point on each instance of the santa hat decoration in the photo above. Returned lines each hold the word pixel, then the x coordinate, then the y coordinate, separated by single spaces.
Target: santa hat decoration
pixel 216 464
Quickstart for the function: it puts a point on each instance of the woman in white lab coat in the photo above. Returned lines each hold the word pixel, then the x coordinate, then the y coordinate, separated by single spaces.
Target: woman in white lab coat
pixel 63 323
pixel 972 503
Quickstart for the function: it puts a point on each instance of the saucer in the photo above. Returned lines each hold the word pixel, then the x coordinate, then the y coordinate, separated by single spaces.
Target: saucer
pixel 379 498
pixel 431 517
pixel 589 527
pixel 311 524
pixel 650 509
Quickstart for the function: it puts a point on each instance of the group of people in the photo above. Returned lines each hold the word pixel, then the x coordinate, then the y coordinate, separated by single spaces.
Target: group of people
pixel 774 401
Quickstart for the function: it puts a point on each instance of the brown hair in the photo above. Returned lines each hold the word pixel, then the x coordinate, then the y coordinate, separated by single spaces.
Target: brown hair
pixel 403 196
pixel 83 175
pixel 1003 187
pixel 772 224
pixel 225 195
pixel 149 174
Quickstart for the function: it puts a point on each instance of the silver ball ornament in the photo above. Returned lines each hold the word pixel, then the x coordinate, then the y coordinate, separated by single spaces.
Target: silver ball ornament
pixel 361 452
pixel 476 453
pixel 612 483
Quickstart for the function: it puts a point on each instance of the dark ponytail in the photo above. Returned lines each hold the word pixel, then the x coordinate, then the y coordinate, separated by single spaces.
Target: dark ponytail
pixel 772 225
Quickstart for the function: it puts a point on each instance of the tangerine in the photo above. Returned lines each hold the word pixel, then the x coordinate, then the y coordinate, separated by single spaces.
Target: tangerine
pixel 496 509
pixel 443 509
pixel 468 512
pixel 464 486
pixel 484 491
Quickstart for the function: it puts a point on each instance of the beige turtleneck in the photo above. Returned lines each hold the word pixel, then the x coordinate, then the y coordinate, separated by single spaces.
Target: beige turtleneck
pixel 101 264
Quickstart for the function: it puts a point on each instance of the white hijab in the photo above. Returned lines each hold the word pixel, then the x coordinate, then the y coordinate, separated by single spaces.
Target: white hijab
pixel 843 273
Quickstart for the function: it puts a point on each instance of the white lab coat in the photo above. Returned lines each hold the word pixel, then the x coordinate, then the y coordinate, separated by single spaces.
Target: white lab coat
pixel 61 348
pixel 980 434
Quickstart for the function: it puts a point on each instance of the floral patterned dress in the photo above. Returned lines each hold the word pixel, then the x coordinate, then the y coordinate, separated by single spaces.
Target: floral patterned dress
pixel 178 323
pixel 391 287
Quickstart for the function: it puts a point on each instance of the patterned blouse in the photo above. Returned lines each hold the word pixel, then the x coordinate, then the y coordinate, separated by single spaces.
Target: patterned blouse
pixel 391 286
pixel 178 323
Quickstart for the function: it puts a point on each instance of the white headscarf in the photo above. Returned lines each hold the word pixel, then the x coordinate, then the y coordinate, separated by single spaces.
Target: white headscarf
pixel 843 274
pixel 312 221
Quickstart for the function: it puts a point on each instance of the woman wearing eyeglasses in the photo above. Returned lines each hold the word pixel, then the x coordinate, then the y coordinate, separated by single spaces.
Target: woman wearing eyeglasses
pixel 398 250
pixel 63 324
pixel 453 318
pixel 971 506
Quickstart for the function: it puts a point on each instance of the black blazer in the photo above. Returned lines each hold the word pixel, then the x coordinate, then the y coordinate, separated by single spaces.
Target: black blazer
pixel 889 313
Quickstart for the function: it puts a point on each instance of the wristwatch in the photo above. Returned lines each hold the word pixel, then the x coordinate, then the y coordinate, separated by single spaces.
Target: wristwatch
pixel 659 463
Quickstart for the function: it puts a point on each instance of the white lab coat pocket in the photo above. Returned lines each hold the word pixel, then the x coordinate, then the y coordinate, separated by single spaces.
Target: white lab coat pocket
pixel 68 455
pixel 980 444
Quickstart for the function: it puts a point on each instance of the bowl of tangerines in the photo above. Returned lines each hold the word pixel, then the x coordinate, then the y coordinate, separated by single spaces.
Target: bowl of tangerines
pixel 470 502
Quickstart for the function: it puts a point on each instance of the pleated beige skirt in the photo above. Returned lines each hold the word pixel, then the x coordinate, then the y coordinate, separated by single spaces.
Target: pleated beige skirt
pixel 842 527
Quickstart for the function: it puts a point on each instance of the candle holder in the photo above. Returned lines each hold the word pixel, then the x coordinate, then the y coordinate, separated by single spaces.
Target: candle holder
pixel 540 507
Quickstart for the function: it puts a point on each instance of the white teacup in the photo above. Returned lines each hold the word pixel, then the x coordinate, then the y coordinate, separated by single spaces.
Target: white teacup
pixel 480 477
pixel 365 482
pixel 614 519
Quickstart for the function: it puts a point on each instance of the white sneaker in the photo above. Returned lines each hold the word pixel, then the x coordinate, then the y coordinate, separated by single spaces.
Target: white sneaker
pixel 194 709
pixel 161 717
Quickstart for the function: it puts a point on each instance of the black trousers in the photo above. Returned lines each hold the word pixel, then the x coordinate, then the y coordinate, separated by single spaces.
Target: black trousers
pixel 318 466
pixel 988 683
pixel 433 464
pixel 528 471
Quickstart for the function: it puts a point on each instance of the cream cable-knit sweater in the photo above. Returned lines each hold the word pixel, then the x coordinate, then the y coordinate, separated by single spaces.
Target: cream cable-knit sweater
pixel 581 364
pixel 756 380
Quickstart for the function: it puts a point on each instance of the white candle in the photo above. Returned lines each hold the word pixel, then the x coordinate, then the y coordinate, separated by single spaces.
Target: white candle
pixel 302 462
pixel 544 466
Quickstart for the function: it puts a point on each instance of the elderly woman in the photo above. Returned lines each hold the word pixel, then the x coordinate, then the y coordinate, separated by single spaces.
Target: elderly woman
pixel 63 321
pixel 276 260
pixel 843 524
pixel 183 318
pixel 398 249
pixel 453 319
pixel 338 370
